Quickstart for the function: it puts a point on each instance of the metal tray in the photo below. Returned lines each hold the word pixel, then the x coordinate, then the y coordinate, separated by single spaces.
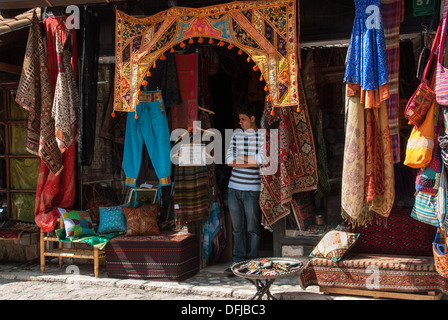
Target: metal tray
pixel 260 276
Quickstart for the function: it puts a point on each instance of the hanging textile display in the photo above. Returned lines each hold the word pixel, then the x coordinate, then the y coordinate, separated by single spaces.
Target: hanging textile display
pixel 35 95
pixel 297 165
pixel 191 194
pixel 392 12
pixel 368 172
pixel 183 115
pixel 53 190
pixel 66 101
pixel 265 30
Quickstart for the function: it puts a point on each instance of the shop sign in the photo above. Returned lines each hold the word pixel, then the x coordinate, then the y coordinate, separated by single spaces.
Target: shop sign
pixel 423 7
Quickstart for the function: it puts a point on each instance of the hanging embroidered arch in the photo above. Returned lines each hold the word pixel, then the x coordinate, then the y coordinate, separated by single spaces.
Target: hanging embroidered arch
pixel 264 30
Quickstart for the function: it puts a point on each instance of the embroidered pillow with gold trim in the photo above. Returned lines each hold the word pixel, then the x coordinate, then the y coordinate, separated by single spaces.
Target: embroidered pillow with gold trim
pixel 142 220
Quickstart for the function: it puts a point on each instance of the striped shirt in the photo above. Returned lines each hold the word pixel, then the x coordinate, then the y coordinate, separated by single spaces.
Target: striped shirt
pixel 246 143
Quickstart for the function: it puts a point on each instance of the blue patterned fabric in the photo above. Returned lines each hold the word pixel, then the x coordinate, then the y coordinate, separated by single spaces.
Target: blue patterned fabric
pixel 367 57
pixel 112 219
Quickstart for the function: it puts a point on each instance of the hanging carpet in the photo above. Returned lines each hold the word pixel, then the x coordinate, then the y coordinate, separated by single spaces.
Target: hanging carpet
pixel 297 164
pixel 265 30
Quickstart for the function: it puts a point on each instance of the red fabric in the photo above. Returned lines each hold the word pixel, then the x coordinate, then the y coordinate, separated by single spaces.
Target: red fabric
pixel 52 191
pixel 55 192
pixel 182 116
pixel 50 24
pixel 403 235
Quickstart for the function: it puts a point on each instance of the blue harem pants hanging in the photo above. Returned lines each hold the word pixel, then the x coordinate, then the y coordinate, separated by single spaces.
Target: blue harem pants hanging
pixel 149 124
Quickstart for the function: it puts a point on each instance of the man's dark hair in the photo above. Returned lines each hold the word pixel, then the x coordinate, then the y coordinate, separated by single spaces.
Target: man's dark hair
pixel 250 110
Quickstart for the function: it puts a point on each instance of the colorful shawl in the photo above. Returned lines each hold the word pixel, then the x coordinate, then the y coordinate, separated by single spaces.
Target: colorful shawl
pixel 265 30
pixel 53 190
pixel 392 13
pixel 368 171
pixel 297 165
pixel 34 94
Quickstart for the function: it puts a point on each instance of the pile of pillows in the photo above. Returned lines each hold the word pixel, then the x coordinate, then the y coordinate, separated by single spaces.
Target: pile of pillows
pixel 121 218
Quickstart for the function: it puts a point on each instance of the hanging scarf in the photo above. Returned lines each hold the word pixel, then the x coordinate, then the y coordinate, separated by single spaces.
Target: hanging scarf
pixel 66 101
pixel 34 94
pixel 368 173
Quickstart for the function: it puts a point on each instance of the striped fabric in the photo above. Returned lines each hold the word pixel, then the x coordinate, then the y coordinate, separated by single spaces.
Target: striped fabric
pixel 391 15
pixel 191 194
pixel 245 143
pixel 166 257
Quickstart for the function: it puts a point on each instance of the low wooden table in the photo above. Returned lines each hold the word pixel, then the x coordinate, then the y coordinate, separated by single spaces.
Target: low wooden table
pixel 263 282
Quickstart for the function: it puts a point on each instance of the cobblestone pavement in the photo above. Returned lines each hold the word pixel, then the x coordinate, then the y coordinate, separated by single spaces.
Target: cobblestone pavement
pixel 72 282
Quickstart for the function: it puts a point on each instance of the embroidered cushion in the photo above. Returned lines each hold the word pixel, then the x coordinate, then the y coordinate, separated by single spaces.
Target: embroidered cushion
pixel 334 245
pixel 77 223
pixel 112 219
pixel 142 220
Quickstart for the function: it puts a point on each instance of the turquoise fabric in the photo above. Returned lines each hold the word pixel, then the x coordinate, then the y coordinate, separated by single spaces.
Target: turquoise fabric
pixel 112 219
pixel 96 240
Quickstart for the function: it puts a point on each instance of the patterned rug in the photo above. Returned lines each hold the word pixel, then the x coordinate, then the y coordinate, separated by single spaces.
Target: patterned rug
pixel 375 272
pixel 403 235
pixel 264 30
pixel 297 164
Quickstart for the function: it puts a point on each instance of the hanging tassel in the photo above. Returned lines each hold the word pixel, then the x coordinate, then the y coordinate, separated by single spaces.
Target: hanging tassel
pixel 298 109
pixel 182 45
pixel 230 47
pixel 272 112
pixel 162 57
pixel 139 91
pixel 190 41
pixel 240 52
pixel 220 43
pixel 144 83
pixel 261 78
pixel 255 68
pixel 148 74
pixel 154 65
pixel 136 116
pixel 266 88
pixel 268 98
pixel 248 59
pixel 210 41
pixel 113 114
pixel 172 50
pixel 200 40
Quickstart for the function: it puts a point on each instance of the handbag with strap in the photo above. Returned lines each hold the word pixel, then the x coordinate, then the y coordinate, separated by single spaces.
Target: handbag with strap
pixel 441 84
pixel 440 255
pixel 421 142
pixel 421 101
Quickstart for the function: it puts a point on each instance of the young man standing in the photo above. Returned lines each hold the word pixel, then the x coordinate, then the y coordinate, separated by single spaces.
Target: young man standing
pixel 245 155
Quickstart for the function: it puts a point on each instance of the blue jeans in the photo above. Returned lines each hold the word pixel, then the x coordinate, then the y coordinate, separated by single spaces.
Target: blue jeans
pixel 245 210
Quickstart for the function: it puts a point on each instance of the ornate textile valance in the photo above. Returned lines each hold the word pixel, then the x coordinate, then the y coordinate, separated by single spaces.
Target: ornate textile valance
pixel 264 30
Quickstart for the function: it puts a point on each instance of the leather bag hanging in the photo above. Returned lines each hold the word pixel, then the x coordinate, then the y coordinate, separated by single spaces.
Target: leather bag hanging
pixel 441 84
pixel 420 102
